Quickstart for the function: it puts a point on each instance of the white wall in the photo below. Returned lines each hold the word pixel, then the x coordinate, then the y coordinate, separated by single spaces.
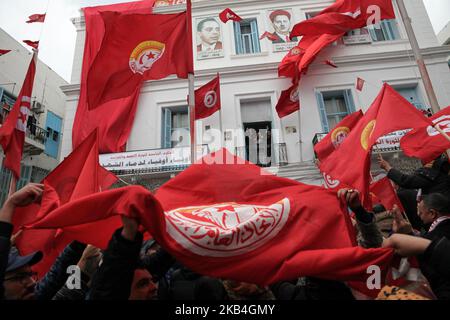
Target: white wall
pixel 254 77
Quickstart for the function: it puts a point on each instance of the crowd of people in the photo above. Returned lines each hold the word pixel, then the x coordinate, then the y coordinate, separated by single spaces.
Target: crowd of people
pixel 133 269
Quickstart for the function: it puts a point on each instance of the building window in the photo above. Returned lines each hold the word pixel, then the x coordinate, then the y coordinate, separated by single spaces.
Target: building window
pixel 246 36
pixel 334 106
pixel 386 30
pixel 411 93
pixel 175 127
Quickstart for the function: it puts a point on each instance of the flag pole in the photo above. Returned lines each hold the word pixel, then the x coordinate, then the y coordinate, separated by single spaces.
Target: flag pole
pixel 192 116
pixel 419 58
pixel 191 80
pixel 12 185
pixel 222 144
pixel 300 142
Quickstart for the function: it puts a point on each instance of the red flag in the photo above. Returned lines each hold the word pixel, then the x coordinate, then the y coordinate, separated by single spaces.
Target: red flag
pixel 289 101
pixel 113 119
pixel 36 18
pixel 414 141
pixel 224 220
pixel 2 52
pixel 360 84
pixel 350 163
pixel 152 46
pixel 343 16
pixel 268 35
pixel 12 132
pixel 386 194
pixel 288 66
pixel 79 175
pixel 33 44
pixel 314 49
pixel 337 136
pixel 207 99
pixel 331 63
pixel 227 15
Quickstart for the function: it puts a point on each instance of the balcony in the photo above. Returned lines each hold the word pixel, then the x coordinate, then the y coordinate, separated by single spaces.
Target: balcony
pixel 35 137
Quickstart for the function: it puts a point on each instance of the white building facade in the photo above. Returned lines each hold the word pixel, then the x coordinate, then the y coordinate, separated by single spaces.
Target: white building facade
pixel 250 86
pixel 44 127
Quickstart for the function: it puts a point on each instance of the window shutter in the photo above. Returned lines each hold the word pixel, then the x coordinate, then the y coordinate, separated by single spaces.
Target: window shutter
pixel 323 113
pixel 255 36
pixel 349 102
pixel 238 37
pixel 167 128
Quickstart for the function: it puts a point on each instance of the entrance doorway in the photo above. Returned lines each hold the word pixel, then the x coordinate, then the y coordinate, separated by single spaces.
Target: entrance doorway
pixel 258 142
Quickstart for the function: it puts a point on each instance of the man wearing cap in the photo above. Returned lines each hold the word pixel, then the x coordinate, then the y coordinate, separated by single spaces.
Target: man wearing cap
pixel 17 281
pixel 281 22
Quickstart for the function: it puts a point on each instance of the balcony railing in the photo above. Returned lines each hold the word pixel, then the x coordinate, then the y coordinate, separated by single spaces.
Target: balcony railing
pixel 281 158
pixel 36 133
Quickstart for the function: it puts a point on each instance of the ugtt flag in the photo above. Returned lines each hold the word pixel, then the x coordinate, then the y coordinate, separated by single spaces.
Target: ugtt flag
pixel 12 133
pixel 226 220
pixel 139 47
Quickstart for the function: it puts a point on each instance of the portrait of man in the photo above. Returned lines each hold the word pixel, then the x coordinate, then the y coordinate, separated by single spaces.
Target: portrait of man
pixel 208 35
pixel 281 22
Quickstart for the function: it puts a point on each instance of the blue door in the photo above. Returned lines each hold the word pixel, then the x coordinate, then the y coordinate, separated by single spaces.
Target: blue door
pixel 53 126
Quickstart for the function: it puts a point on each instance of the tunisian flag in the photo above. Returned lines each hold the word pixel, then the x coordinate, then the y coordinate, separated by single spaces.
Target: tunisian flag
pixel 207 99
pixel 385 194
pixel 12 132
pixel 36 18
pixel 227 15
pixel 337 136
pixel 138 47
pixel 77 176
pixel 224 219
pixel 414 142
pixel 289 101
pixel 350 163
pixel 114 119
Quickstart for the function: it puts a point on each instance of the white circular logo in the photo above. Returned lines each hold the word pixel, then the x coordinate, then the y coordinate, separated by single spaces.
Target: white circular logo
pixel 210 99
pixel 228 229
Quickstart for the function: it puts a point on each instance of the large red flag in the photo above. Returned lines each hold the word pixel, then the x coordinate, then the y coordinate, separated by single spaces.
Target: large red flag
pixel 385 193
pixel 207 99
pixel 135 48
pixel 36 18
pixel 336 137
pixel 314 49
pixel 79 175
pixel 114 119
pixel 12 132
pixel 224 220
pixel 350 163
pixel 345 15
pixel 426 143
pixel 289 101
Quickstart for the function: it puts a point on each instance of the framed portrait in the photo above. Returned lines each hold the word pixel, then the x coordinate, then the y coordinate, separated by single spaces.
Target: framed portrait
pixel 208 32
pixel 280 22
